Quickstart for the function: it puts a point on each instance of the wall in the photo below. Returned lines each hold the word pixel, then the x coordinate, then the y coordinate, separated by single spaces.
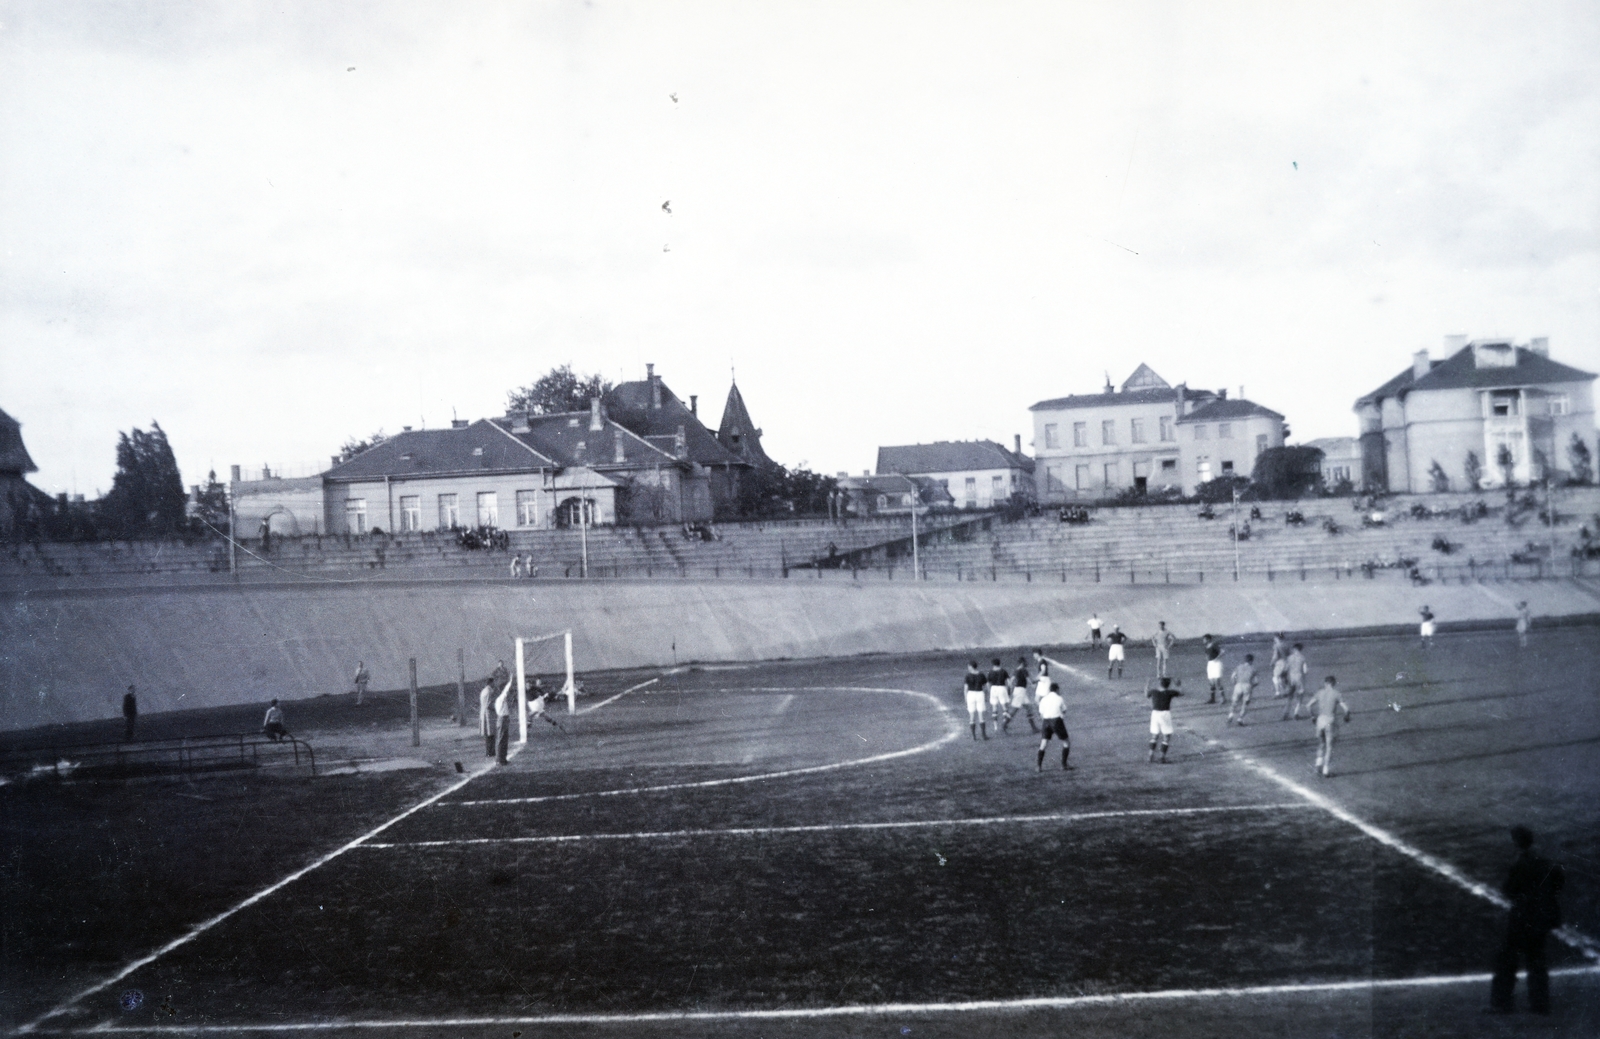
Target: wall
pixel 294 505
pixel 67 656
pixel 549 493
pixel 1239 447
pixel 1096 455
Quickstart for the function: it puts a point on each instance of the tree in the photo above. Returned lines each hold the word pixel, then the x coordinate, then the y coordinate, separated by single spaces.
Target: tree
pixel 146 497
pixel 1474 471
pixel 1288 472
pixel 560 389
pixel 352 447
pixel 1438 478
pixel 1578 459
pixel 211 508
pixel 776 492
pixel 1222 489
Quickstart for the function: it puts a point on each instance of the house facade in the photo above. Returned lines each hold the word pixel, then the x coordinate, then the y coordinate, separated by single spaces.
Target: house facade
pixel 1509 407
pixel 649 409
pixel 891 494
pixel 976 474
pixel 1341 460
pixel 1223 438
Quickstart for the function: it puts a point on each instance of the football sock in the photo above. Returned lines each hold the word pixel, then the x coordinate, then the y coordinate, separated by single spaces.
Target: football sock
pixel 1041 757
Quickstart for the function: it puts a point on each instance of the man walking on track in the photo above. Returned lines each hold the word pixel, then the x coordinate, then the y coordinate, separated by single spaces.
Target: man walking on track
pixel 1244 685
pixel 1214 668
pixel 502 718
pixel 1161 694
pixel 976 682
pixel 1021 695
pixel 361 680
pixel 1051 713
pixel 1532 887
pixel 1427 626
pixel 1115 655
pixel 1325 708
pixel 999 695
pixel 486 719
pixel 1163 643
pixel 1295 669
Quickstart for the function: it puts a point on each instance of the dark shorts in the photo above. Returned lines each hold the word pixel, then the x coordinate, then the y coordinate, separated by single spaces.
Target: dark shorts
pixel 1055 727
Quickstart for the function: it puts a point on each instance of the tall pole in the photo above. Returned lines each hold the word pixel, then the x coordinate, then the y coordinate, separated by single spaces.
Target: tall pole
pixel 572 683
pixel 583 529
pixel 461 687
pixel 916 556
pixel 1236 533
pixel 522 694
pixel 233 549
pixel 416 724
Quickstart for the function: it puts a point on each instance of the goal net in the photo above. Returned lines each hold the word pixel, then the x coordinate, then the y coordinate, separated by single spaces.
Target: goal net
pixel 544 664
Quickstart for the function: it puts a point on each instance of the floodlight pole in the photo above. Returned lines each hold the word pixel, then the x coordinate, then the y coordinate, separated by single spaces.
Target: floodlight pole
pixel 1236 533
pixel 583 528
pixel 916 556
pixel 233 548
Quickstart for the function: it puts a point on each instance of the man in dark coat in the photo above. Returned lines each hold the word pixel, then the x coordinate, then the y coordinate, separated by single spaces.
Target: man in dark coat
pixel 1532 887
pixel 130 713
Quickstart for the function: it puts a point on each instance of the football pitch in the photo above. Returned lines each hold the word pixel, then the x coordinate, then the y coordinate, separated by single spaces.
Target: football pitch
pixel 822 848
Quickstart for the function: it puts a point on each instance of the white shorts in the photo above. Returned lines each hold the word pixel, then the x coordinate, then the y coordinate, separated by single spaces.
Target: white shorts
pixel 1241 692
pixel 974 699
pixel 998 696
pixel 1116 651
pixel 1161 723
pixel 1324 725
pixel 1042 688
pixel 1427 629
pixel 1020 697
pixel 1214 670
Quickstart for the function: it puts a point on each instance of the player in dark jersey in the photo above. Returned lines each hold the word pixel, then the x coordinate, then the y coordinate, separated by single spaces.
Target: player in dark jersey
pixel 1021 695
pixel 976 682
pixel 1161 693
pixel 1116 655
pixel 999 693
pixel 1214 667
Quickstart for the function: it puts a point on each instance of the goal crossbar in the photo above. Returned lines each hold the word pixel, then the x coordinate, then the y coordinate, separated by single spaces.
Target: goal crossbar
pixel 569 687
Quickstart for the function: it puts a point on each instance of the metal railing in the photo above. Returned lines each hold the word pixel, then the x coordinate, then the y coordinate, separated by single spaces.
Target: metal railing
pixel 179 755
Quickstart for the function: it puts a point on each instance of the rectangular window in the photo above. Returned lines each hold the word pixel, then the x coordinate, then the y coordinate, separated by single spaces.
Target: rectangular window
pixel 1167 434
pixel 1080 434
pixel 488 509
pixel 1261 442
pixel 1052 479
pixel 410 512
pixel 1558 403
pixel 527 509
pixel 972 490
pixel 1200 432
pixel 1503 403
pixel 1108 431
pixel 355 515
pixel 1136 430
pixel 997 488
pixel 1083 478
pixel 1224 430
pixel 1112 476
pixel 1227 466
pixel 449 512
pixel 1169 465
pixel 1052 435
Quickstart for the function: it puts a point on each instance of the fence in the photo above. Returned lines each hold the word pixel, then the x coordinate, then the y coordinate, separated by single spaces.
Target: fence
pixel 181 755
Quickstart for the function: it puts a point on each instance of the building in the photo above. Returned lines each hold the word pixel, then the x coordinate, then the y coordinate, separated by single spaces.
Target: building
pixel 1341 460
pixel 1490 411
pixel 892 494
pixel 518 472
pixel 738 434
pixel 976 474
pixel 288 505
pixel 21 503
pixel 1147 435
pixel 649 409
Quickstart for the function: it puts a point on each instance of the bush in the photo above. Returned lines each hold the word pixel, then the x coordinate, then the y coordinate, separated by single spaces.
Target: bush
pixel 1222 489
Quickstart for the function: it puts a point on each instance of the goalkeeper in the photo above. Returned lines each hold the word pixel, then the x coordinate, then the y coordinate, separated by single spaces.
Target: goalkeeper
pixel 538 703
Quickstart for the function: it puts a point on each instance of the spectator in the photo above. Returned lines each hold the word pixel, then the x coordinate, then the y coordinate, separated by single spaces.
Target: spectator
pixel 1532 887
pixel 362 678
pixel 130 713
pixel 516 565
pixel 272 725
pixel 486 719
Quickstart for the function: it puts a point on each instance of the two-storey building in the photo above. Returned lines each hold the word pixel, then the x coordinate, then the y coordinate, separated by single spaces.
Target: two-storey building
pixel 977 474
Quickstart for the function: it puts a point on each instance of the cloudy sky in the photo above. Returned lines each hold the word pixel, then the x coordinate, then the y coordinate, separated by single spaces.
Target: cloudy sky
pixel 271 226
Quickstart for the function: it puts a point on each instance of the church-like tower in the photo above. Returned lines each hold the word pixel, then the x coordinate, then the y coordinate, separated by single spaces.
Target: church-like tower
pixel 739 434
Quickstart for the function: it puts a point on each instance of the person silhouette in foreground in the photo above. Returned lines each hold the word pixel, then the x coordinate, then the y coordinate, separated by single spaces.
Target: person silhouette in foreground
pixel 1532 886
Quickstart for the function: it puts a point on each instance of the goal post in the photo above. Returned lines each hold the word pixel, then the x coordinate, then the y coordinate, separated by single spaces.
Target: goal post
pixel 544 654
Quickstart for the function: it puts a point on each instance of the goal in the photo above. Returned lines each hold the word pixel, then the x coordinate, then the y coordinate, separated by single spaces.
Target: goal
pixel 549 659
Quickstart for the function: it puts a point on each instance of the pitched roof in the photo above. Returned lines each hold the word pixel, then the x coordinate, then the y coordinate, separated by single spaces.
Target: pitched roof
pixel 479 446
pixel 568 438
pixel 1460 371
pixel 1153 395
pixel 949 457
pixel 1225 409
pixel 629 403
pixel 738 433
pixel 928 491
pixel 1144 377
pixel 14 456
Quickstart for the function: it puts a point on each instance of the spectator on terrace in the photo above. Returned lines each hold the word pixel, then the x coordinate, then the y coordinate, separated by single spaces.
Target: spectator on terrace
pixel 516 565
pixel 130 713
pixel 272 725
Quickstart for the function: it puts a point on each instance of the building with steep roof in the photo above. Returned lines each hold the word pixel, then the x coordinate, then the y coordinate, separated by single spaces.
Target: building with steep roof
pixel 651 410
pixel 19 499
pixel 976 474
pixel 892 494
pixel 1096 445
pixel 1492 399
pixel 739 434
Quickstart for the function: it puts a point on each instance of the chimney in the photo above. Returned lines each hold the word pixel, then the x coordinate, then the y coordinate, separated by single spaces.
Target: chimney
pixel 617 454
pixel 235 473
pixel 1419 364
pixel 680 442
pixel 1453 344
pixel 595 422
pixel 694 404
pixel 336 461
pixel 266 472
pixel 519 422
pixel 461 423
pixel 655 387
pixel 1018 449
pixel 1540 345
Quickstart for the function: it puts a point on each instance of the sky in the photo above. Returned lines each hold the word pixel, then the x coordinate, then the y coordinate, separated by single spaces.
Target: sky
pixel 273 227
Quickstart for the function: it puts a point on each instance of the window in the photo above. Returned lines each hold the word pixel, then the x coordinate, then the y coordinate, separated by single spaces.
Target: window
pixel 1108 432
pixel 1557 403
pixel 1052 435
pixel 1136 427
pixel 410 512
pixel 1337 473
pixel 1111 474
pixel 1200 432
pixel 1169 465
pixel 488 509
pixel 449 512
pixel 1080 434
pixel 355 515
pixel 1166 429
pixel 1083 478
pixel 1503 403
pixel 1261 442
pixel 1052 479
pixel 972 490
pixel 1227 467
pixel 997 488
pixel 1224 430
pixel 527 509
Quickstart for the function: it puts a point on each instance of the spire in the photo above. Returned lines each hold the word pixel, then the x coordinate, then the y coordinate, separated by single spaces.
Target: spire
pixel 738 433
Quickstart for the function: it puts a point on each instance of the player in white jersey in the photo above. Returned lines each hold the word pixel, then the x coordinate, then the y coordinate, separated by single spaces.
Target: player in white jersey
pixel 1052 710
pixel 975 682
pixel 1326 704
pixel 1427 627
pixel 1021 695
pixel 1094 631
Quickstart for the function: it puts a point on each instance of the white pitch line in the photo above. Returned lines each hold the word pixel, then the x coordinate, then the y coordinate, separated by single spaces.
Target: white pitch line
pixel 847 1010
pixel 783 704
pixel 754 831
pixel 205 925
pixel 625 692
pixel 944 712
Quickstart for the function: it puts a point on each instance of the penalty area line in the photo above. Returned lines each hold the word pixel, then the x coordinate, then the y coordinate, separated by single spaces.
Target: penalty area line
pixel 912 824
pixel 625 692
pixel 1128 999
